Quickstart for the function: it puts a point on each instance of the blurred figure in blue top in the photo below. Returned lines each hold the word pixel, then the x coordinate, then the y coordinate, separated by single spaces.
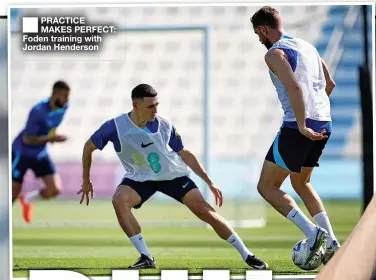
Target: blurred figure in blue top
pixel 29 149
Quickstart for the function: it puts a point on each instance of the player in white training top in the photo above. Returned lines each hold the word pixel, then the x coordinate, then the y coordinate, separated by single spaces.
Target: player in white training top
pixel 155 160
pixel 303 84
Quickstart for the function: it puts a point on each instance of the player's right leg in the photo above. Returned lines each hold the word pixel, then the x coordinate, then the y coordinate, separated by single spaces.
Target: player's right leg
pixel 286 156
pixel 128 195
pixel 20 165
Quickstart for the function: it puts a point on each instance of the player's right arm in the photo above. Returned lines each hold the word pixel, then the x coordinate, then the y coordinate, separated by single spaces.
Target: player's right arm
pixel 33 125
pixel 97 141
pixel 330 84
pixel 279 65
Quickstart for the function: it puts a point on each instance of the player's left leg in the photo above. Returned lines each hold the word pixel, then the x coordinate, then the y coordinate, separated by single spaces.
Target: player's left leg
pixel 46 171
pixel 184 190
pixel 285 157
pixel 302 184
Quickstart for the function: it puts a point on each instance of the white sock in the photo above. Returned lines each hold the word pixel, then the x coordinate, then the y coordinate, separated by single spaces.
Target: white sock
pixel 302 222
pixel 322 220
pixel 235 240
pixel 32 196
pixel 139 242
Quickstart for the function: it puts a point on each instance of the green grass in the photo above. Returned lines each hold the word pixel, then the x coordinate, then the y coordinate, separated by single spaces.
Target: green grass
pixel 97 251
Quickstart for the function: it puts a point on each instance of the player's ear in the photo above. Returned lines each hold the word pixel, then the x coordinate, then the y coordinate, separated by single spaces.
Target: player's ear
pixel 263 30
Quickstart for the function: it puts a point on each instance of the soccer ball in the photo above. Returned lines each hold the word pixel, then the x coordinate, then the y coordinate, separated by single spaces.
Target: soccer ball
pixel 300 253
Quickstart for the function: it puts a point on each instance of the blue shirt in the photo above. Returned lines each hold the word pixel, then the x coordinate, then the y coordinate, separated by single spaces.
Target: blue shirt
pixel 107 132
pixel 42 121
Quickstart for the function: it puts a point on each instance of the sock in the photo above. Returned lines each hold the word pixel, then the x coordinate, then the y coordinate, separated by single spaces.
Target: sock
pixel 322 220
pixel 235 241
pixel 32 196
pixel 139 242
pixel 302 222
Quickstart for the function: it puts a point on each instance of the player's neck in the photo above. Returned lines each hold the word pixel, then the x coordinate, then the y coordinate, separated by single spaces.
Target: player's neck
pixel 52 104
pixel 137 120
pixel 278 34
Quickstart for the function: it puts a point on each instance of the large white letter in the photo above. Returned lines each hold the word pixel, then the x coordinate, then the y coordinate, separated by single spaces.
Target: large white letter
pixel 174 274
pixel 216 275
pixel 259 275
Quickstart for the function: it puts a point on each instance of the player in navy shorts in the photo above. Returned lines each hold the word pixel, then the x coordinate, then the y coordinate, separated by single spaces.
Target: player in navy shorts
pixel 303 85
pixel 29 149
pixel 154 160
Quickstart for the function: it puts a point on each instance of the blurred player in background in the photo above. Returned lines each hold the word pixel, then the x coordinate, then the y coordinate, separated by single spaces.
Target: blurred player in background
pixel 303 85
pixel 29 149
pixel 155 160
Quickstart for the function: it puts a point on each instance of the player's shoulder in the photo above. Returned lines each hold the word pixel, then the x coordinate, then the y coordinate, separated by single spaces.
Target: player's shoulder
pixel 163 119
pixel 273 54
pixel 107 126
pixel 109 122
pixel 40 108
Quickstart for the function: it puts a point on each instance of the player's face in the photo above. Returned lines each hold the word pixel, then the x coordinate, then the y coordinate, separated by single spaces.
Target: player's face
pixel 262 32
pixel 62 97
pixel 148 109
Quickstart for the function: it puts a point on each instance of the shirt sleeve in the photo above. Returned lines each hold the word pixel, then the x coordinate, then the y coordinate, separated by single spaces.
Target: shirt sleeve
pixel 33 123
pixel 175 143
pixel 107 132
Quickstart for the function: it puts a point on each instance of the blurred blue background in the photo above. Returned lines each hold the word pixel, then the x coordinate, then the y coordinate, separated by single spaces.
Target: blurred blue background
pixel 4 182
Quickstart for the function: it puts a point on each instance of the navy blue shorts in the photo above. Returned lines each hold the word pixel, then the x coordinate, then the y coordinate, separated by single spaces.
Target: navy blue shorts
pixel 291 150
pixel 41 167
pixel 175 189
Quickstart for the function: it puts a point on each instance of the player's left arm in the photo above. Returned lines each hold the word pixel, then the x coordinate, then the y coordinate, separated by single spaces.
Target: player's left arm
pixel 330 84
pixel 191 160
pixel 188 157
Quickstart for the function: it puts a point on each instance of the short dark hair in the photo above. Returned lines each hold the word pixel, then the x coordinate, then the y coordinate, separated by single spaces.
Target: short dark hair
pixel 266 16
pixel 143 90
pixel 60 85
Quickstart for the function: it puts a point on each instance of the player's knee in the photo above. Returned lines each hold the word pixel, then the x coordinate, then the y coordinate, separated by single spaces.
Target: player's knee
pixel 265 184
pixel 262 188
pixel 16 189
pixel 299 184
pixel 121 200
pixel 51 191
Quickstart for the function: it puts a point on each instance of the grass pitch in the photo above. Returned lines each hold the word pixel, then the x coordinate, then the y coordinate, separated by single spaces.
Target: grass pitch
pixel 95 250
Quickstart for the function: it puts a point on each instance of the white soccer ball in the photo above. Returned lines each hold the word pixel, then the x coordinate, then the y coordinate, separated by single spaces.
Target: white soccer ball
pixel 300 252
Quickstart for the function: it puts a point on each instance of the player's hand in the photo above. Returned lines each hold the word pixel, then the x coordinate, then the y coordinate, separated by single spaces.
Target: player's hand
pixel 86 189
pixel 217 194
pixel 309 133
pixel 58 138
